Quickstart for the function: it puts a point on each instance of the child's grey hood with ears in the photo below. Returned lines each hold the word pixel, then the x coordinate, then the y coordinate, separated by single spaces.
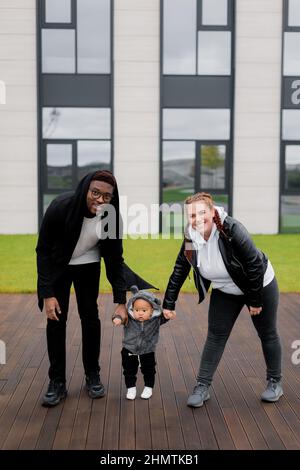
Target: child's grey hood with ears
pixel 145 295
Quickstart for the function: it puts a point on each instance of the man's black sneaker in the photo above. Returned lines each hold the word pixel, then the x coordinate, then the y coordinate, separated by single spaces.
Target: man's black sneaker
pixel 55 393
pixel 94 386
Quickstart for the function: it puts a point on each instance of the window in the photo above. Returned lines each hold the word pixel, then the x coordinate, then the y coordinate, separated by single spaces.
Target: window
pixel 214 12
pixel 291 62
pixel 59 166
pixel 75 98
pixel 196 100
pixel 76 36
pixel 93 29
pixel 292 167
pixel 290 122
pixel 76 123
pixel 58 51
pixel 212 166
pixel 294 13
pixel 290 214
pixel 196 124
pixel 92 155
pixel 214 53
pixel 178 170
pixel 179 45
pixel 58 11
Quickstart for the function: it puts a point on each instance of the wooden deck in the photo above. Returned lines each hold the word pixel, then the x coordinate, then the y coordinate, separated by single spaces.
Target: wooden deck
pixel 234 417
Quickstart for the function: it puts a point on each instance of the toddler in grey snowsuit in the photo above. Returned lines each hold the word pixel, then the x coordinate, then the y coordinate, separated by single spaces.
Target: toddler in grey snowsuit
pixel 141 333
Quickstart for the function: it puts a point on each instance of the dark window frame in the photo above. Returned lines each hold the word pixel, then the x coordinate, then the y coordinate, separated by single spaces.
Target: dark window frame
pixel 44 162
pixel 197 63
pixel 230 19
pixel 283 191
pixel 229 143
pixel 214 143
pixel 46 25
pixel 286 27
pixel 74 145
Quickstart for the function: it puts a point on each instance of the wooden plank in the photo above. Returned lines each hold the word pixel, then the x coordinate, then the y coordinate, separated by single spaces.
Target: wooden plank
pixel 127 422
pixel 252 431
pixel 185 347
pixel 265 426
pixel 142 420
pixel 110 438
pixel 174 357
pixel 197 323
pixel 17 398
pixel 81 422
pixel 282 428
pixel 65 426
pixel 38 363
pixel 96 424
pixel 22 419
pixel 36 422
pixel 272 410
pixel 78 417
pixel 173 424
pixel 15 337
pixel 14 393
pixel 50 425
pixel 156 414
pixel 258 367
pixel 2 384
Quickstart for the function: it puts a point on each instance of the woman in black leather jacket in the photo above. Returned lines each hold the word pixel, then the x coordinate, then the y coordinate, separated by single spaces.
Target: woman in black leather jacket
pixel 221 253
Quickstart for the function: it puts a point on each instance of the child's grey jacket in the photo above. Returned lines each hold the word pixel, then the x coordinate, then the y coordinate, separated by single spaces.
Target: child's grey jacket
pixel 142 337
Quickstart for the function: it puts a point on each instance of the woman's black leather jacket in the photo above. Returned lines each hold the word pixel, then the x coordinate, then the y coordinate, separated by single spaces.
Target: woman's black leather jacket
pixel 245 263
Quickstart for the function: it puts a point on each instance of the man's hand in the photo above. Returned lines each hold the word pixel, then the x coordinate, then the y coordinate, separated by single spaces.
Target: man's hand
pixel 255 310
pixel 52 307
pixel 169 314
pixel 122 311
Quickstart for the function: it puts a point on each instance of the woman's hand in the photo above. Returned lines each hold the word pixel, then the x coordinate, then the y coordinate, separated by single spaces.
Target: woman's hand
pixel 169 314
pixel 255 310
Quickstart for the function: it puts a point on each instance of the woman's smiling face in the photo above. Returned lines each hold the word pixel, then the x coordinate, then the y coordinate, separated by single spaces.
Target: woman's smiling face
pixel 200 217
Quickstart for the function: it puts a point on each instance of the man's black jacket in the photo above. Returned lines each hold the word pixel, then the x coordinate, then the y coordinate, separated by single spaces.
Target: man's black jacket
pixel 59 233
pixel 245 263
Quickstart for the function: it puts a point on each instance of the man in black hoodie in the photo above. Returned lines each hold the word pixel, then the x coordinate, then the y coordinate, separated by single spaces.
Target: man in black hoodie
pixel 69 249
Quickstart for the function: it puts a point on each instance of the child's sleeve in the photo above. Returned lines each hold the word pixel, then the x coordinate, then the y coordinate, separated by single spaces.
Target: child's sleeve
pixel 163 320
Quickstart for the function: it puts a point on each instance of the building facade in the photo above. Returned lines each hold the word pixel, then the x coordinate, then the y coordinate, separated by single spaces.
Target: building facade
pixel 174 96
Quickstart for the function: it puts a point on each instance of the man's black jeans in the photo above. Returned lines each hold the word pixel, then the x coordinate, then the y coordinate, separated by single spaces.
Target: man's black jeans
pixel 223 312
pixel 85 278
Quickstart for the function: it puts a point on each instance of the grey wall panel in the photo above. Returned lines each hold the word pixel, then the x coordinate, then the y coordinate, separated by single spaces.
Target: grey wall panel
pixel 76 90
pixel 196 92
